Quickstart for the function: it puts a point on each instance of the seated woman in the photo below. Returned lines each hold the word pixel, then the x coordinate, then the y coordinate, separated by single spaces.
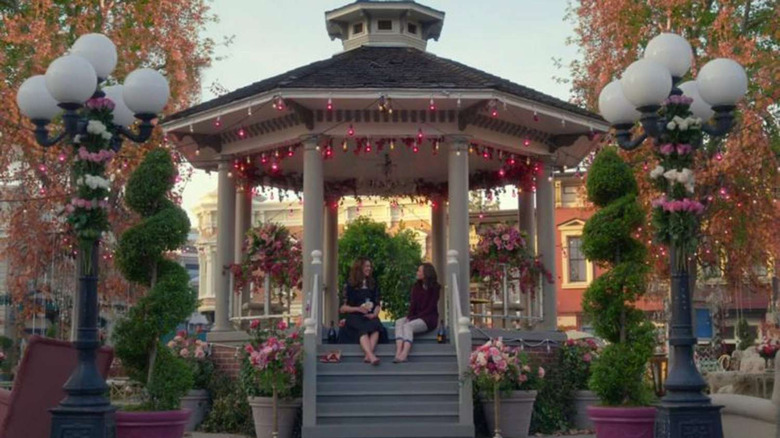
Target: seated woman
pixel 423 311
pixel 362 307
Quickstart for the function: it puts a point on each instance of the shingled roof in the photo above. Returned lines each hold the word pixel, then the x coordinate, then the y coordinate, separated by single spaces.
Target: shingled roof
pixel 385 68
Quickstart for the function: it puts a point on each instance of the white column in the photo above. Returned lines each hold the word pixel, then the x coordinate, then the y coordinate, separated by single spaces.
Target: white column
pixel 439 247
pixel 226 223
pixel 526 216
pixel 459 212
pixel 545 207
pixel 331 261
pixel 243 222
pixel 313 199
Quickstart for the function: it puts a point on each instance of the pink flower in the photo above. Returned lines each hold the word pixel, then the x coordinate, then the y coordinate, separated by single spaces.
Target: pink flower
pixel 505 236
pixel 184 352
pixel 667 149
pixel 282 325
pixel 199 353
pixel 541 373
pixel 522 378
pixel 570 342
pixel 587 358
pixel 248 348
pixel 254 324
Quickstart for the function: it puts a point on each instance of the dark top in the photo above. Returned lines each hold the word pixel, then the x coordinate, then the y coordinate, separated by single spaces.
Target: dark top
pixel 357 322
pixel 425 305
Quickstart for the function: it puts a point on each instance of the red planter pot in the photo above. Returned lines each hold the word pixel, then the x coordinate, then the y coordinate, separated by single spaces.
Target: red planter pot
pixel 622 422
pixel 164 424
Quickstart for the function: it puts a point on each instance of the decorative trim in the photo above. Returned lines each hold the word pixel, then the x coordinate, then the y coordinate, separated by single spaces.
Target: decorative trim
pixel 572 228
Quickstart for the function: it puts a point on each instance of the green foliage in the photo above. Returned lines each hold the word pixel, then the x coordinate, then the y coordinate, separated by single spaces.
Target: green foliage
pixel 170 300
pixel 617 375
pixel 553 406
pixel 609 178
pixel 395 260
pixel 746 337
pixel 230 411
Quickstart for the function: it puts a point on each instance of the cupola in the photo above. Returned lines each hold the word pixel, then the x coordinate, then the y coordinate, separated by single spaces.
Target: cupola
pixel 384 24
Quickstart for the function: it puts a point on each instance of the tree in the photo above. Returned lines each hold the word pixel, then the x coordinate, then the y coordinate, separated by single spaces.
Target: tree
pixel 737 177
pixel 167 33
pixel 395 260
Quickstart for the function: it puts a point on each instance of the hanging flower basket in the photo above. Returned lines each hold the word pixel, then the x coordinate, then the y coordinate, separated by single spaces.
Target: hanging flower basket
pixel 269 250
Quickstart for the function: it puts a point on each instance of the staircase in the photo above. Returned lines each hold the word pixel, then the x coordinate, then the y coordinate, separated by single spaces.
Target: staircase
pixel 416 399
pixel 426 397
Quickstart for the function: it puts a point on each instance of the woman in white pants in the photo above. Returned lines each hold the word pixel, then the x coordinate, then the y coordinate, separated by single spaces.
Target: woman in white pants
pixel 423 312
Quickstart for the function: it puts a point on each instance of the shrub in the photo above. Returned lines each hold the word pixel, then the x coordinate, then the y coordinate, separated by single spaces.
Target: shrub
pixel 230 411
pixel 617 376
pixel 170 300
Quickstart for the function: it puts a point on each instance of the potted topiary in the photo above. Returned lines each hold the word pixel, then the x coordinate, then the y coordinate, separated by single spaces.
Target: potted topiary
pixel 576 357
pixel 140 256
pixel 272 377
pixel 196 353
pixel 617 375
pixel 507 384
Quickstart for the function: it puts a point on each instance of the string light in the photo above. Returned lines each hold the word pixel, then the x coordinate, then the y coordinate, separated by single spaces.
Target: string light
pixel 501 172
pixel 351 131
pixel 385 104
pixel 249 110
pixel 392 144
pixel 263 158
pixel 536 116
pixel 61 157
pixel 458 102
pixel 719 156
pixel 368 146
pixel 42 168
pixel 230 174
pixel 330 104
pixel 527 142
pixel 218 122
pixel 420 135
pixel 432 105
pixel 493 108
pixel 241 133
pixel 290 151
pixel 344 145
pixel 279 104
pixel 191 128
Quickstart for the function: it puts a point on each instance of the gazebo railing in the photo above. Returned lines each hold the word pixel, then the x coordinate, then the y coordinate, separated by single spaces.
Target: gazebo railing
pixel 462 340
pixel 531 313
pixel 312 337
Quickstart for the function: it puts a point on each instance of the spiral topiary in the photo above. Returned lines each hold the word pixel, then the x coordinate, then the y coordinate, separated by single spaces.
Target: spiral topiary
pixel 140 257
pixel 617 376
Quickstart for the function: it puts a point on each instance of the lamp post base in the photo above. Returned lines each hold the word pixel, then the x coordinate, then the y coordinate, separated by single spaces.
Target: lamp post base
pixel 86 422
pixel 688 420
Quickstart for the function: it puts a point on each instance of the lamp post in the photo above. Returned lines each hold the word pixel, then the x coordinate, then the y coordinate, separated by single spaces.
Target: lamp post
pixel 648 92
pixel 94 121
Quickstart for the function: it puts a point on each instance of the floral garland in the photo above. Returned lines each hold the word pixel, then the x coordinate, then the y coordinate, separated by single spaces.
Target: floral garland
pixel 676 213
pixel 269 250
pixel 87 210
pixel 503 245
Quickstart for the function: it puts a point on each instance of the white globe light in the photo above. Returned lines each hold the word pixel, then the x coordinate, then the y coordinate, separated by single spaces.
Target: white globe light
pixel 699 107
pixel 99 50
pixel 646 82
pixel 71 79
pixel 614 106
pixel 122 114
pixel 722 81
pixel 34 100
pixel 672 51
pixel 146 91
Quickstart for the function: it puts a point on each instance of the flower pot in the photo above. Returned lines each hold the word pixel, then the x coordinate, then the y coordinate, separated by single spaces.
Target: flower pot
pixel 515 413
pixel 582 400
pixel 614 422
pixel 163 424
pixel 197 401
pixel 263 415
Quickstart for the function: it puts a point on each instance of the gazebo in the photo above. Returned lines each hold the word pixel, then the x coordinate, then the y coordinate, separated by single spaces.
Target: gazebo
pixel 387 118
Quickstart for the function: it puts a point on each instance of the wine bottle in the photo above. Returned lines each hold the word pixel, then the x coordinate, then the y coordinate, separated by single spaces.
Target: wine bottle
pixel 441 335
pixel 332 334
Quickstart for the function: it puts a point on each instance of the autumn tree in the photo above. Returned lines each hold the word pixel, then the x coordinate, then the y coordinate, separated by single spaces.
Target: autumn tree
pixel 34 182
pixel 736 177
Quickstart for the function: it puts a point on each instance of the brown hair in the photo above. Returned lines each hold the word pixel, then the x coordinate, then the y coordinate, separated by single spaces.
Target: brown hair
pixel 430 280
pixel 356 276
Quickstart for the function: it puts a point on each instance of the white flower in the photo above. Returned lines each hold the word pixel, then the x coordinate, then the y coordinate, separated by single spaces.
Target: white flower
pixel 657 172
pixel 77 138
pixel 481 359
pixel 96 127
pixel 671 125
pixel 682 124
pixel 671 175
pixel 94 182
pixel 693 122
pixel 106 135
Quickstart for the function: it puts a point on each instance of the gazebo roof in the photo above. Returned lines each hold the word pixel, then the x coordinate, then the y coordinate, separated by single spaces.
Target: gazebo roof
pixel 383 68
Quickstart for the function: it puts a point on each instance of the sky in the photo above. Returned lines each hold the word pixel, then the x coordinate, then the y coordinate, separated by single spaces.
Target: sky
pixel 515 39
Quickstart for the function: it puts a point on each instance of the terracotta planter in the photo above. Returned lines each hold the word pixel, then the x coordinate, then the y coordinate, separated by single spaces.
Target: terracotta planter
pixel 515 415
pixel 262 413
pixel 163 424
pixel 197 400
pixel 582 400
pixel 622 422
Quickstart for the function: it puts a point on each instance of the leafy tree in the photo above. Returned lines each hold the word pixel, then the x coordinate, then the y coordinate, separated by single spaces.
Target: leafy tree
pixel 395 260
pixel 165 35
pixel 740 176
pixel 608 240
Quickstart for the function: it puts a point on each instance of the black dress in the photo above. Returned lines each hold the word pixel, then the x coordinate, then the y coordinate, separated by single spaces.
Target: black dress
pixel 356 324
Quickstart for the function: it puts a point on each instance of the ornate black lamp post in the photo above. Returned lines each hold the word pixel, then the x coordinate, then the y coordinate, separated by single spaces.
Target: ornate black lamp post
pixel 646 84
pixel 70 82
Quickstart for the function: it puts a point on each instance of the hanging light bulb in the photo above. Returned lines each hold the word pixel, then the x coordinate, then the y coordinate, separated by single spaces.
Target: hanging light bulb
pixel 241 133
pixel 218 122
pixel 291 152
pixel 719 156
pixel 471 149
pixel 248 160
pixel 42 168
pixel 536 116
pixel 458 103
pixel 501 172
pixel 368 146
pixel 274 166
pixel 61 157
pixel 329 106
pixel 527 142
pixel 278 103
pixel 230 174
pixel 420 135
pixel 432 105
pixel 351 130
pixel 249 110
pixel 191 128
pixel 263 158
pixel 436 146
pixel 512 161
pixel 645 166
pixel 392 144
pixel 344 145
pixel 415 149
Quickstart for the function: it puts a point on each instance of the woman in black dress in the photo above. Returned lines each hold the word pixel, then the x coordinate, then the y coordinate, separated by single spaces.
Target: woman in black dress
pixel 361 306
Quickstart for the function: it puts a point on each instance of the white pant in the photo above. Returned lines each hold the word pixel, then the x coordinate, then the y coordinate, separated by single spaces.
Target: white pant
pixel 405 329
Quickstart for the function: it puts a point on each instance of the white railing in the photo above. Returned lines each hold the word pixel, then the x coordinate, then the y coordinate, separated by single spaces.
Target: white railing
pixel 462 338
pixel 311 339
pixel 532 302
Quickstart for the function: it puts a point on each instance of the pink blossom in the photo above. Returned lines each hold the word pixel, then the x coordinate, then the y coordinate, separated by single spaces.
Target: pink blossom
pixel 587 357
pixel 184 352
pixel 570 342
pixel 199 353
pixel 683 149
pixel 505 236
pixel 667 149
pixel 541 373
pixel 254 324
pixel 522 378
pixel 282 325
pixel 100 103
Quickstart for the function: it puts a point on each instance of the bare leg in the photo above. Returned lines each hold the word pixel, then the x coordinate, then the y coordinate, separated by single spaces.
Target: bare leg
pixel 365 344
pixel 374 340
pixel 399 345
pixel 405 350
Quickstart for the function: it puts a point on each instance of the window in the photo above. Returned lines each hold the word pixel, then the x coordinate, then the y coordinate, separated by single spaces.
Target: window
pixel 411 28
pixel 384 25
pixel 357 28
pixel 578 266
pixel 570 196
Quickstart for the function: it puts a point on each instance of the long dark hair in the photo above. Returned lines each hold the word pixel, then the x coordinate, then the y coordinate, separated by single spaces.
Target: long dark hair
pixel 356 275
pixel 430 280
